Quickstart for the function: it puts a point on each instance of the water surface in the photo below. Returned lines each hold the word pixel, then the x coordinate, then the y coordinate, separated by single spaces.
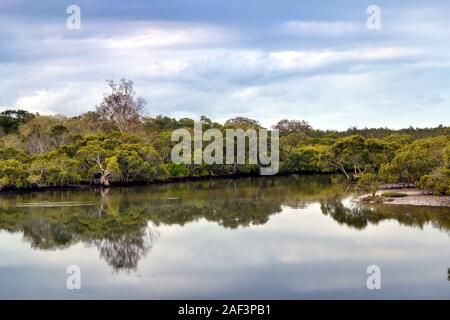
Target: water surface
pixel 291 237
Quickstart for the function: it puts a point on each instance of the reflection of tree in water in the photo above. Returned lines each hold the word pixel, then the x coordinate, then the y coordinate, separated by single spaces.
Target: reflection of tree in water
pixel 44 235
pixel 123 251
pixel 359 216
pixel 226 213
pixel 117 222
pixel 352 215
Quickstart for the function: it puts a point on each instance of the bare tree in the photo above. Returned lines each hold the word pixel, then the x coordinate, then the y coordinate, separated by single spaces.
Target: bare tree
pixel 121 106
pixel 104 178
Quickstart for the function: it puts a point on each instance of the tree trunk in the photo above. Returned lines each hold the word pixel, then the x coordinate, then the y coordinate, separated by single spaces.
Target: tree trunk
pixel 345 172
pixel 104 178
pixel 104 181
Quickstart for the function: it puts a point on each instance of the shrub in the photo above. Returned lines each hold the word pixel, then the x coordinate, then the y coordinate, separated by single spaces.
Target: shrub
pixel 53 169
pixel 13 174
pixel 369 181
pixel 438 182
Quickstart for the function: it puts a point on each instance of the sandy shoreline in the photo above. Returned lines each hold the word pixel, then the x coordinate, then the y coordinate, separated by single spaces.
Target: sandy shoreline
pixel 414 197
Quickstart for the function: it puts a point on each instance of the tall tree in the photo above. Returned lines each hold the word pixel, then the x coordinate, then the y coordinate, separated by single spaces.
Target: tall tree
pixel 121 106
pixel 242 122
pixel 10 120
pixel 286 126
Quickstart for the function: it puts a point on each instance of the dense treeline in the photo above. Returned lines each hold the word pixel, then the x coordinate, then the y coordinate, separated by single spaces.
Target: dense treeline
pixel 117 143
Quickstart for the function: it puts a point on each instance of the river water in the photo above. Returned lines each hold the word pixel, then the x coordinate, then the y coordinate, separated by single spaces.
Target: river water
pixel 296 237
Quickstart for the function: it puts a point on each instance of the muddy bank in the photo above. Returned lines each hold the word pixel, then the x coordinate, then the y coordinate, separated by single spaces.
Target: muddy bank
pixel 414 197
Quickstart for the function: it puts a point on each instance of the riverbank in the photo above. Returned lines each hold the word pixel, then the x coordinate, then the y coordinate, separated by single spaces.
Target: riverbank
pixel 87 185
pixel 405 196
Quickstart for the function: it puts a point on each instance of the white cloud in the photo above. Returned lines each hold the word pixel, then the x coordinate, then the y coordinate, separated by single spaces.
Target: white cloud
pixel 67 100
pixel 323 28
pixel 314 85
pixel 306 60
pixel 342 75
pixel 162 35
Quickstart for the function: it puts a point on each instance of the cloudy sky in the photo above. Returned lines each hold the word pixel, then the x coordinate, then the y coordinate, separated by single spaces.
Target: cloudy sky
pixel 268 60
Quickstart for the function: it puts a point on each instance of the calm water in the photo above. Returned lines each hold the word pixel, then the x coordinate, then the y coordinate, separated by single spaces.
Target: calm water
pixel 285 237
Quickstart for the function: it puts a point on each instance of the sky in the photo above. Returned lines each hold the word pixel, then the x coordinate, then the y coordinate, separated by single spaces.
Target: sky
pixel 267 60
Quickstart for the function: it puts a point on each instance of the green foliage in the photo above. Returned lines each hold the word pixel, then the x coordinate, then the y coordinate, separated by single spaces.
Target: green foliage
pixel 304 159
pixel 10 120
pixel 415 160
pixel 379 152
pixel 447 156
pixel 370 181
pixel 56 151
pixel 398 140
pixel 11 153
pixel 286 126
pixel 13 174
pixel 242 122
pixel 438 182
pixel 352 150
pixel 178 170
pixel 44 133
pixel 53 169
pixel 293 139
pixel 132 166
